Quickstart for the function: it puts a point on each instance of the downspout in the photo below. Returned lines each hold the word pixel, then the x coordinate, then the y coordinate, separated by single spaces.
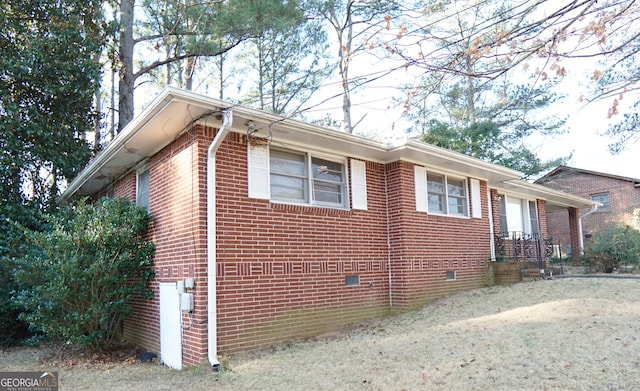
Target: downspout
pixel 212 331
pixel 581 236
pixel 386 194
pixel 492 234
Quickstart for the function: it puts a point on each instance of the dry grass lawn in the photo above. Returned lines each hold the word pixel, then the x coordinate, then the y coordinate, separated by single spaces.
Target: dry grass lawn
pixel 564 334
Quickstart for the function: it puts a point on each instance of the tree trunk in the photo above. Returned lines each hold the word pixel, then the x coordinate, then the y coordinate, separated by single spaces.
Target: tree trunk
pixel 344 55
pixel 189 69
pixel 127 77
pixel 471 98
pixel 96 126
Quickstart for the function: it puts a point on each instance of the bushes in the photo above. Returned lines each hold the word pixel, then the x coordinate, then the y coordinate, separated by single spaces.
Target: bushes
pixel 613 247
pixel 79 277
pixel 12 244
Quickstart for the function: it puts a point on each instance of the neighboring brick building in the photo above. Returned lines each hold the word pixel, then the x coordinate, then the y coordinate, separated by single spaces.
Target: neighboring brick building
pixel 619 197
pixel 268 229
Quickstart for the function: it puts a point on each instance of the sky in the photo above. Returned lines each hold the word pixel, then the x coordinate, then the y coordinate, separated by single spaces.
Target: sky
pixel 590 146
pixel 585 139
pixel 381 116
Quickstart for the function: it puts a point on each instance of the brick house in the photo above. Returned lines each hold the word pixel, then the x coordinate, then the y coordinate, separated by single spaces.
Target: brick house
pixel 619 196
pixel 268 229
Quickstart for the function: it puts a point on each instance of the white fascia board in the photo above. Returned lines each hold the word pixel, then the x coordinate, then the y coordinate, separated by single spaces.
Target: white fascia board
pixel 155 110
pixel 554 197
pixel 129 132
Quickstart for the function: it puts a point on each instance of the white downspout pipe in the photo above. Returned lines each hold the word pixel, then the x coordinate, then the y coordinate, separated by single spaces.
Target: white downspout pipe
pixel 492 234
pixel 581 236
pixel 212 330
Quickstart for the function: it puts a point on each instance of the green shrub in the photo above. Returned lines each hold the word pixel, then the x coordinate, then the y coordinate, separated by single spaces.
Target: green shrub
pixel 612 248
pixel 12 244
pixel 79 277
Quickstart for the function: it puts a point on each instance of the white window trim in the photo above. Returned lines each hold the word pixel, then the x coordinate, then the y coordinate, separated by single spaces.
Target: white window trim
pixel 422 193
pixel 259 172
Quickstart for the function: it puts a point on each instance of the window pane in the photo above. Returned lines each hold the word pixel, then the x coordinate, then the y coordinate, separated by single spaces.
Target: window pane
pixel 326 170
pixel 287 187
pixel 287 163
pixel 328 181
pixel 455 187
pixel 436 194
pixel 327 192
pixel 435 183
pixel 436 203
pixel 502 207
pixel 288 176
pixel 602 198
pixel 142 196
pixel 533 216
pixel 457 205
pixel 456 196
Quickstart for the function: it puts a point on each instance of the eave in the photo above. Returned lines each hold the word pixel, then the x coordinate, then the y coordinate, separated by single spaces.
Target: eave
pixel 174 110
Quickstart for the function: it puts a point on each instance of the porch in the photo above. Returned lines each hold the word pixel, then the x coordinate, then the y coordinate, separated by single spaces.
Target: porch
pixel 521 256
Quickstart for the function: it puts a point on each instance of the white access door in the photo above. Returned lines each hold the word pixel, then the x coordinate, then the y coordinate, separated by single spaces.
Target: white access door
pixel 170 321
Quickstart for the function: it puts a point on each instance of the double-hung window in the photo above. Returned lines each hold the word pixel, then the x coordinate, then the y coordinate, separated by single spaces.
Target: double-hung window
pixel 447 195
pixel 602 198
pixel 302 178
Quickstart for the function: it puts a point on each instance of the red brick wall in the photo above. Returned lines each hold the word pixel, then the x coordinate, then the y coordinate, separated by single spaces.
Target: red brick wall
pixel 624 197
pixel 178 205
pixel 425 246
pixel 281 268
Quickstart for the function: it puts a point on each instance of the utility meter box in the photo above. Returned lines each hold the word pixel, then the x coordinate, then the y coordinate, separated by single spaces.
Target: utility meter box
pixel 186 302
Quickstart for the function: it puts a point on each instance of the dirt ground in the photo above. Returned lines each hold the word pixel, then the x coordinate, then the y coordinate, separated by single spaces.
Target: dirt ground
pixel 564 334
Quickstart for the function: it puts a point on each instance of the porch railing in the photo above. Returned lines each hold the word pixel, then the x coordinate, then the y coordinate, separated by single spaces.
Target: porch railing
pixel 522 247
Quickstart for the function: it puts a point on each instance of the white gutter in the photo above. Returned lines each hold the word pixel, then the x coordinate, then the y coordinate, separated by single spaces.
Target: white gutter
pixel 212 335
pixel 581 236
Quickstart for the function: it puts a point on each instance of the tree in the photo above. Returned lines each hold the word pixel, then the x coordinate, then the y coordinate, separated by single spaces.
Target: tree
pixel 290 65
pixel 183 31
pixel 48 74
pixel 490 118
pixel 80 275
pixel 354 23
pixel 547 38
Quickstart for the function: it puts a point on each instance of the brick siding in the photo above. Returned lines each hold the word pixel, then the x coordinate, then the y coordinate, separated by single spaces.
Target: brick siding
pixel 281 268
pixel 624 197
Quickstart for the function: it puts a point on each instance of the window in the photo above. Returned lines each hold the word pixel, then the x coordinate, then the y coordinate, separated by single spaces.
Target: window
pixel 603 198
pixel 533 218
pixel 502 211
pixel 450 275
pixel 446 195
pixel 299 177
pixel 517 216
pixel 142 188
